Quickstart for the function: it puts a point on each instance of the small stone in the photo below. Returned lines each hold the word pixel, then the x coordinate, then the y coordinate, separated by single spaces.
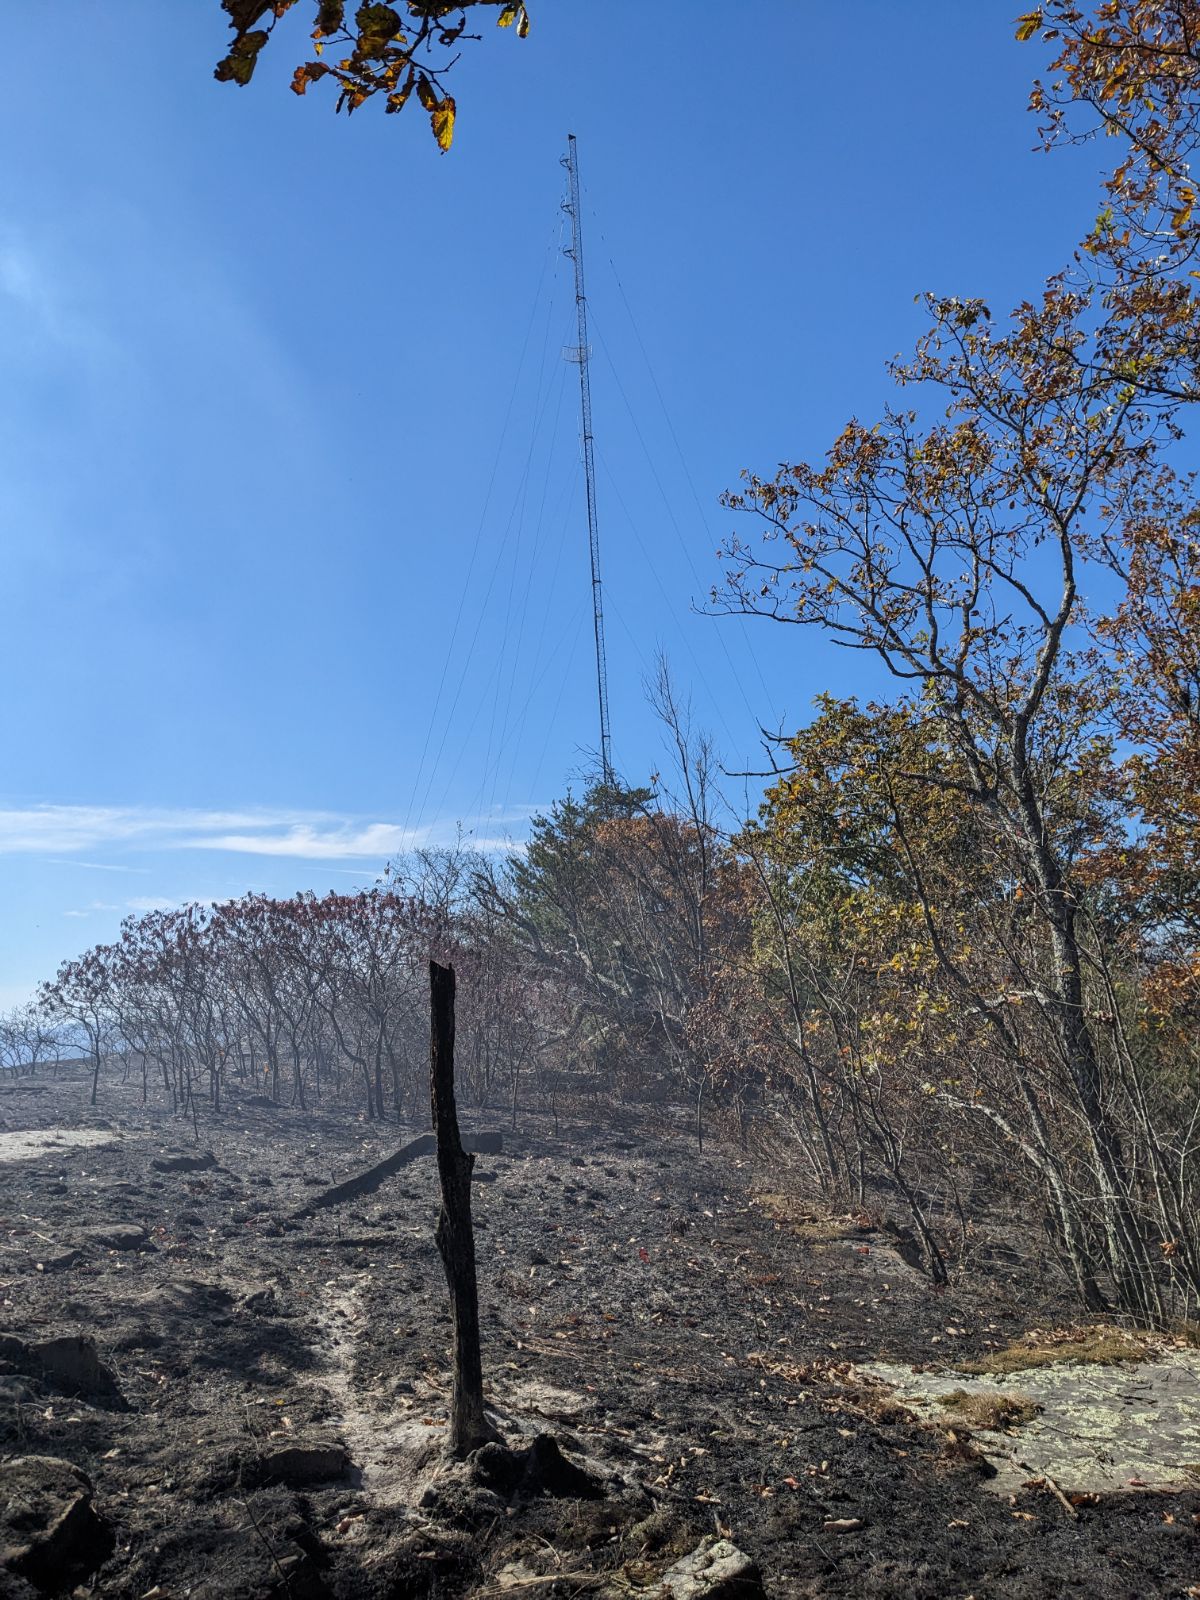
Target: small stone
pixel 262 1302
pixel 60 1261
pixel 185 1163
pixel 117 1236
pixel 300 1464
pixel 517 1575
pixel 714 1571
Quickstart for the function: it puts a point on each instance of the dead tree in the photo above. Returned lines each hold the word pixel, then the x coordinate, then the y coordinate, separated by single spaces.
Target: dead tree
pixel 469 1428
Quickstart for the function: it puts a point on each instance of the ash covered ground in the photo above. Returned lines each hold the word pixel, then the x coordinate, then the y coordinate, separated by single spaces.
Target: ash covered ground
pixel 250 1398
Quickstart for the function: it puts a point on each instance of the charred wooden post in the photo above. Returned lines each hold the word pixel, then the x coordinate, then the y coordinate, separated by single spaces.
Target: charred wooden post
pixel 469 1428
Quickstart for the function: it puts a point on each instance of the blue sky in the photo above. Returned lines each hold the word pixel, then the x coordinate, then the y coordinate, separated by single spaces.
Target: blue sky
pixel 289 453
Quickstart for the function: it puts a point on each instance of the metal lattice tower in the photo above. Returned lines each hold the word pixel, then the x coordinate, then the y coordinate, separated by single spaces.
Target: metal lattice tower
pixel 580 353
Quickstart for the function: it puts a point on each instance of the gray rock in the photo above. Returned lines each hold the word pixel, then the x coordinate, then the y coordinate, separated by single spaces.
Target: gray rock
pixel 117 1236
pixel 59 1261
pixel 185 1163
pixel 262 1302
pixel 715 1571
pixel 69 1364
pixel 50 1533
pixel 300 1464
pixel 73 1366
pixel 14 1391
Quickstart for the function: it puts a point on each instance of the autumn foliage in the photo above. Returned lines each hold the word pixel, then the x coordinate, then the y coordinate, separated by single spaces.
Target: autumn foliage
pixel 369 50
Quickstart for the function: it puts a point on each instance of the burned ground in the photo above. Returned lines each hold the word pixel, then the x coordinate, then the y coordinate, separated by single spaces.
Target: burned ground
pixel 266 1392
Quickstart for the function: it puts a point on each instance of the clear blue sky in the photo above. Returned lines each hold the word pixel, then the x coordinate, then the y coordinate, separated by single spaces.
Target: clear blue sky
pixel 283 410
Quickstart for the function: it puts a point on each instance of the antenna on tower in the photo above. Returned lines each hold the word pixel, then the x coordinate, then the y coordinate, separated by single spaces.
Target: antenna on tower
pixel 581 353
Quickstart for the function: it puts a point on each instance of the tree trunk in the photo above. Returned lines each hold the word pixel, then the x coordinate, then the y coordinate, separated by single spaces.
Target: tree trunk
pixel 379 1073
pixel 1132 1271
pixel 1128 1259
pixel 469 1428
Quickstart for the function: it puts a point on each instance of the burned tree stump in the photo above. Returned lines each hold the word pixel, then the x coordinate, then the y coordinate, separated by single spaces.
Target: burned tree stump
pixel 469 1428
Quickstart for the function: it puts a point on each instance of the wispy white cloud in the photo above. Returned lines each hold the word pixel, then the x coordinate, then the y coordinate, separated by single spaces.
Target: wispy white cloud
pixel 38 830
pixel 25 279
pixel 55 831
pixel 39 287
pixel 313 842
pixel 93 866
pixel 138 903
pixel 19 279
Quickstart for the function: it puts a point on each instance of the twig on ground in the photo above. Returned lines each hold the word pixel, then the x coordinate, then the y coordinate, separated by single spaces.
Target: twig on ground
pixel 1044 1479
pixel 585 1580
pixel 551 1549
pixel 1060 1497
pixel 268 1547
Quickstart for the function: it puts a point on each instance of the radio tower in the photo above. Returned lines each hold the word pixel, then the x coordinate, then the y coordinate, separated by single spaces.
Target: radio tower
pixel 580 354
